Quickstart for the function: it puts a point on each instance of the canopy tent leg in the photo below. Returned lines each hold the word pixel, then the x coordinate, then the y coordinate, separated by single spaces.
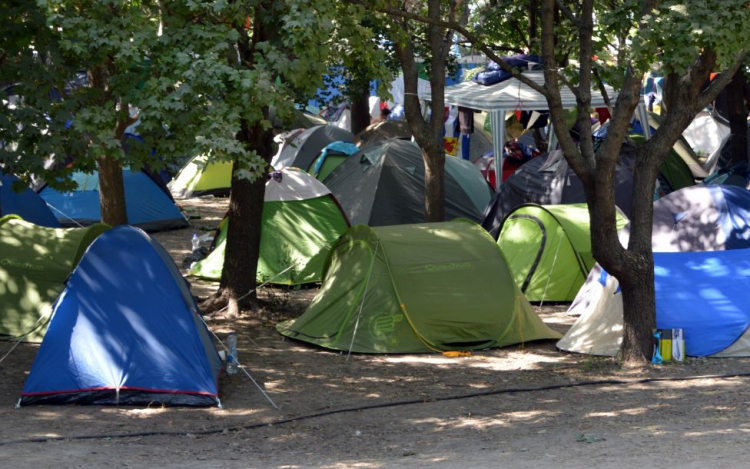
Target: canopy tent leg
pixel 643 118
pixel 497 122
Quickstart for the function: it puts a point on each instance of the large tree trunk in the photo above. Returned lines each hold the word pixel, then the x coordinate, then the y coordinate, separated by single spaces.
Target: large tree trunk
pixel 639 306
pixel 669 92
pixel 111 192
pixel 636 276
pixel 434 181
pixel 632 267
pixel 736 99
pixel 238 276
pixel 360 109
pixel 428 134
pixel 111 186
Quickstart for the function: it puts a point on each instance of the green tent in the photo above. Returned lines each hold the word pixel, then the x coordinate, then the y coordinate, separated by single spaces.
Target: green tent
pixel 674 169
pixel 417 288
pixel 35 261
pixel 198 177
pixel 548 248
pixel 301 221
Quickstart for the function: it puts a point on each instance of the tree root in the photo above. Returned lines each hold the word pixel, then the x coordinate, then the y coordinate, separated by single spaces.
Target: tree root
pixel 224 304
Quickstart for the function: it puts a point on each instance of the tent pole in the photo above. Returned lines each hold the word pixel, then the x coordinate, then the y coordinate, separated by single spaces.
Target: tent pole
pixel 643 118
pixel 552 268
pixel 497 123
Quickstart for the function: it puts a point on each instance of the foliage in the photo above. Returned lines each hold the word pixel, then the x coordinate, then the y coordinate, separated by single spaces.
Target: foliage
pixel 176 65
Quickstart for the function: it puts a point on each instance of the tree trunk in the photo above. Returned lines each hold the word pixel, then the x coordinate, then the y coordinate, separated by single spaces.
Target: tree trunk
pixel 246 199
pixel 360 109
pixel 111 192
pixel 639 306
pixel 434 181
pixel 669 92
pixel 735 91
pixel 238 276
pixel 428 135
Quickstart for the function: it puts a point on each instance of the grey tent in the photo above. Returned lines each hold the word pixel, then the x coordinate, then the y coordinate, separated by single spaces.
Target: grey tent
pixel 305 147
pixel 480 142
pixel 696 218
pixel 380 131
pixel 383 184
pixel 549 180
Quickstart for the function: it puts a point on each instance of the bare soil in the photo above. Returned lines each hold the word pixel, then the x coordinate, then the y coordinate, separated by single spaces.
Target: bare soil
pixel 531 414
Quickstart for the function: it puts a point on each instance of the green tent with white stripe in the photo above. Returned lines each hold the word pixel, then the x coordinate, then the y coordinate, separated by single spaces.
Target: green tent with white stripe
pixel 35 261
pixel 301 221
pixel 417 288
pixel 548 248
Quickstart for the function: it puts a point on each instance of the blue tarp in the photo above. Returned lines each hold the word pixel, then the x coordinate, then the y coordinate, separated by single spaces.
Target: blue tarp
pixel 705 293
pixel 125 330
pixel 148 205
pixel 26 204
pixel 342 148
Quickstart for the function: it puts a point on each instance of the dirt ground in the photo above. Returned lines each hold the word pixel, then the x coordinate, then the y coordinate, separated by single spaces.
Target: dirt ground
pixel 518 407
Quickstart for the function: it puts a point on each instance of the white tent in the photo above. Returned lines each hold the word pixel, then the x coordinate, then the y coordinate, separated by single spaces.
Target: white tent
pixel 707 135
pixel 510 95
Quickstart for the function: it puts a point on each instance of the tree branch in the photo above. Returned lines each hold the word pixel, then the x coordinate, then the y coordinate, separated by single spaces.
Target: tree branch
pixel 713 90
pixel 568 14
pixel 576 161
pixel 465 33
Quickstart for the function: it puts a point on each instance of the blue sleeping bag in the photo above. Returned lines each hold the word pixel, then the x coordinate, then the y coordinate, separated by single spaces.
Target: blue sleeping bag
pixel 493 74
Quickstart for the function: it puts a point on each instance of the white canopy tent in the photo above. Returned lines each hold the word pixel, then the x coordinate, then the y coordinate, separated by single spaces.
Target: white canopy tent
pixel 511 95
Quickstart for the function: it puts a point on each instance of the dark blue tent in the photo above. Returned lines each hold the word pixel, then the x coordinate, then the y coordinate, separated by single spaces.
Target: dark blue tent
pixel 26 204
pixel 149 204
pixel 706 294
pixel 125 331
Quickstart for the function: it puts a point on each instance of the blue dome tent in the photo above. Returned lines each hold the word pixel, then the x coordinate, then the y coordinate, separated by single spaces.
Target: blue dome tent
pixel 125 331
pixel 701 245
pixel 149 204
pixel 26 204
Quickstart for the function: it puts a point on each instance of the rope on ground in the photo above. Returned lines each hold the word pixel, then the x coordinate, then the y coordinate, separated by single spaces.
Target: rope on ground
pixel 382 405
pixel 239 365
pixel 20 339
